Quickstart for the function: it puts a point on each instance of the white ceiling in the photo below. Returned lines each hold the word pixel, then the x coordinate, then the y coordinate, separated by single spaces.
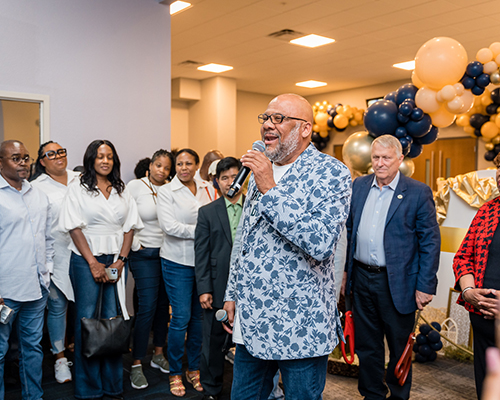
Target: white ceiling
pixel 370 37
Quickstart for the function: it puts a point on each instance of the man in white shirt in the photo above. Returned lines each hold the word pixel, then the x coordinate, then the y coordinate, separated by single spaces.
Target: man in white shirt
pixel 26 252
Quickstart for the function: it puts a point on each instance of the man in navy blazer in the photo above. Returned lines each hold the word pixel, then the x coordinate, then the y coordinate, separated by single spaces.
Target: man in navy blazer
pixel 392 261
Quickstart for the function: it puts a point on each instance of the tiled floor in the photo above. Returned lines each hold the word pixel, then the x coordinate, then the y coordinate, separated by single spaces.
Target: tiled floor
pixel 443 379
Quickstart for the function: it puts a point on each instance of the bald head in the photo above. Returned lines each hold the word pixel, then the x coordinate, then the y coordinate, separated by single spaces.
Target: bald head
pixel 7 144
pixel 299 107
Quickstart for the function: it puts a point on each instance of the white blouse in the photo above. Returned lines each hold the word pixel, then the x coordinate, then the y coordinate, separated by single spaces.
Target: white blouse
pixel 177 214
pixel 102 221
pixel 56 191
pixel 145 195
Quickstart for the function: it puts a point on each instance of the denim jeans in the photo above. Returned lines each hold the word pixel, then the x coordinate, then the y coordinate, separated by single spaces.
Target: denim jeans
pixel 57 305
pixel 29 316
pixel 96 376
pixel 186 316
pixel 303 379
pixel 145 266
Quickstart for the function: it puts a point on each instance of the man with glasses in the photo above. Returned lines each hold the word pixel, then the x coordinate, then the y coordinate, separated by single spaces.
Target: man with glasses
pixel 280 297
pixel 26 251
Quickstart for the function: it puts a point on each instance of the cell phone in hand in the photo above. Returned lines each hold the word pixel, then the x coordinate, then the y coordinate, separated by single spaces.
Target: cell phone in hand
pixel 112 273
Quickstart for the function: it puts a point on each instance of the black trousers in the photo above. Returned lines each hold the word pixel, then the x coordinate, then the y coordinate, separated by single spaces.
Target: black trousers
pixel 212 358
pixel 484 337
pixel 375 316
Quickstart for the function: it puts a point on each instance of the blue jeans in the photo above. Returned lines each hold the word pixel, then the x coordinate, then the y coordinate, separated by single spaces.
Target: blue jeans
pixel 145 266
pixel 303 379
pixel 57 305
pixel 29 316
pixel 96 376
pixel 180 283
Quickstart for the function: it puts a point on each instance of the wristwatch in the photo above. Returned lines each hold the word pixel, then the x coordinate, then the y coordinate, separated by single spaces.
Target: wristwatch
pixel 124 259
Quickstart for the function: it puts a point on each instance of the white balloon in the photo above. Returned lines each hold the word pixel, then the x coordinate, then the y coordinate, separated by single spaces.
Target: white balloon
pixel 467 101
pixel 490 67
pixel 484 55
pixel 448 93
pixel 495 48
pixel 459 88
pixel 426 100
pixel 454 106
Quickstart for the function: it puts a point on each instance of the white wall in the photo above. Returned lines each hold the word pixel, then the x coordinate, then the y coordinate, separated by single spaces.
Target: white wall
pixel 104 64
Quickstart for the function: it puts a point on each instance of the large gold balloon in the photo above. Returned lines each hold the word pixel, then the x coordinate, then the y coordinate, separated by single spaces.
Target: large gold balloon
pixel 407 167
pixel 357 151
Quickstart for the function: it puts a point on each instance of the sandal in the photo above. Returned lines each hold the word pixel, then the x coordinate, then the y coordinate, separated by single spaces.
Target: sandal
pixel 176 386
pixel 194 380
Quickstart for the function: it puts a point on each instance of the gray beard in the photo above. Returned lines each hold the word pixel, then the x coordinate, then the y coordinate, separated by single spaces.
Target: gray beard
pixel 286 147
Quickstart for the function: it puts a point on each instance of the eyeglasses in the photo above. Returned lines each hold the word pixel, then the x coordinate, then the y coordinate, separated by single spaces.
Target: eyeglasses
pixel 19 159
pixel 52 154
pixel 276 118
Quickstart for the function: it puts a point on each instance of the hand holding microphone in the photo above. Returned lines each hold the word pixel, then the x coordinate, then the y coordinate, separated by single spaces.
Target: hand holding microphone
pixel 244 171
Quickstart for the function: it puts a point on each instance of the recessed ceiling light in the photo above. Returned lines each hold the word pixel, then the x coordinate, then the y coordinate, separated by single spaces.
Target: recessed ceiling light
pixel 310 84
pixel 216 68
pixel 178 6
pixel 312 41
pixel 408 65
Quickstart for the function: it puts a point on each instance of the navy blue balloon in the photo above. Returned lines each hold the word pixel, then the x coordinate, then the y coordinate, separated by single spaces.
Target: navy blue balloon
pixel 483 80
pixel 492 108
pixel 418 129
pixel 477 120
pixel 330 123
pixel 415 347
pixel 341 130
pixel 407 91
pixel 421 339
pixel 417 114
pixel 390 97
pixel 381 118
pixel 420 358
pixel 405 143
pixel 401 132
pixel 468 82
pixel 495 95
pixel 490 155
pixel 331 112
pixel 424 329
pixel 415 150
pixel 432 357
pixel 436 326
pixel 402 119
pixel 477 90
pixel 474 69
pixel 412 102
pixel 433 337
pixel 405 108
pixel 496 149
pixel 425 350
pixel 315 137
pixel 429 138
pixel 320 145
pixel 436 346
pixel 477 132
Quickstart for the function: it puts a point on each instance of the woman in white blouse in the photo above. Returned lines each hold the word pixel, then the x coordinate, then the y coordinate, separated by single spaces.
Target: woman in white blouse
pixel 178 204
pixel 100 215
pixel 52 178
pixel 145 265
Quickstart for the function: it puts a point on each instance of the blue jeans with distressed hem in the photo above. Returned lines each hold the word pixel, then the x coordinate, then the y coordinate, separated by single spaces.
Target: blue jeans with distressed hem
pixel 180 283
pixel 57 305
pixel 303 379
pixel 29 316
pixel 95 376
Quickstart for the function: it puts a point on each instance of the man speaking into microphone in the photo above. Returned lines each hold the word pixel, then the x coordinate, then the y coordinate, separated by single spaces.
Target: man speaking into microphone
pixel 280 296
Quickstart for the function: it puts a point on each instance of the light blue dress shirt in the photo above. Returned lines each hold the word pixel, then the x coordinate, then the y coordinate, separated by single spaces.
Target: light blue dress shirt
pixel 370 234
pixel 26 245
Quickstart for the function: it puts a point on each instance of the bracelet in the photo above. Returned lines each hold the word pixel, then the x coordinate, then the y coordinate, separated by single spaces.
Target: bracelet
pixel 467 288
pixel 122 258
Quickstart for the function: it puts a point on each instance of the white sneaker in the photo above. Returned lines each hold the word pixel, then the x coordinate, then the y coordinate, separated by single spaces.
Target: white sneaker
pixel 61 368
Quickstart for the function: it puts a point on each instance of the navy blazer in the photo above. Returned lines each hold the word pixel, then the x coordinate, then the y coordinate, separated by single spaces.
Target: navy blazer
pixel 412 240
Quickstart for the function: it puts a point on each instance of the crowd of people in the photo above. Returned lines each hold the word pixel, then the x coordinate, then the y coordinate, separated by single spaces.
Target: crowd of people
pixel 267 261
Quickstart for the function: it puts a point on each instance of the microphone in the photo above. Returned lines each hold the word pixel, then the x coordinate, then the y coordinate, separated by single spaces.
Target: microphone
pixel 221 316
pixel 244 171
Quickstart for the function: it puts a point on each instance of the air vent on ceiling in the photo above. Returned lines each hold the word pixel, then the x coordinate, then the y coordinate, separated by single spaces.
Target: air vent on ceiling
pixel 286 35
pixel 190 63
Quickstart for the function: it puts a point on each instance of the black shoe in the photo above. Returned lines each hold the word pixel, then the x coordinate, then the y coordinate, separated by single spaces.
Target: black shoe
pixel 209 397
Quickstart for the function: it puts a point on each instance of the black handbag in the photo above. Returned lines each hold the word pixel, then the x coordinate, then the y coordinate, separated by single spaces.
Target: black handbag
pixel 106 337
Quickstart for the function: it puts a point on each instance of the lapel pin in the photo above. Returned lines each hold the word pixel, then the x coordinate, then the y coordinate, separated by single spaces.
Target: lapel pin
pixel 400 196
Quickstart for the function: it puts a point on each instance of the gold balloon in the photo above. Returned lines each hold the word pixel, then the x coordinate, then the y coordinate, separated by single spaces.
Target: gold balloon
pixel 323 134
pixel 325 102
pixel 317 104
pixel 357 151
pixel 407 167
pixel 316 128
pixel 496 140
pixel 489 146
pixel 470 130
